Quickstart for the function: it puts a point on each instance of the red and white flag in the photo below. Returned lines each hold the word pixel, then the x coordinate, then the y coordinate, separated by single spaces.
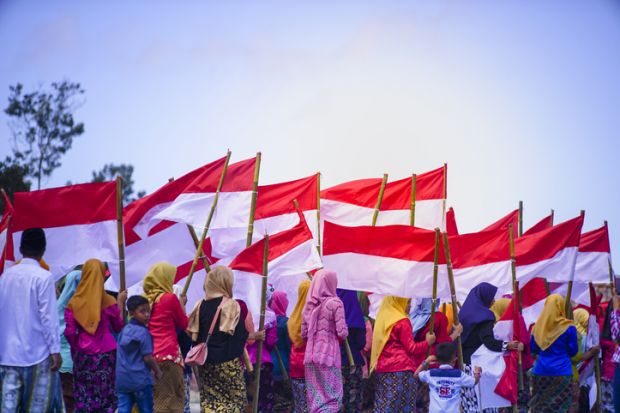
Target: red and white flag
pixel 6 245
pixel 290 253
pixel 392 260
pixel 481 257
pixel 353 203
pixel 451 227
pixel 593 257
pixel 546 222
pixel 549 253
pixel 533 296
pixel 505 222
pixel 79 223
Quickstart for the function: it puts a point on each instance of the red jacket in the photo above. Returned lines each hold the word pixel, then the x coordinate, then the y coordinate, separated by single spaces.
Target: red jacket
pixel 400 351
pixel 166 316
pixel 297 362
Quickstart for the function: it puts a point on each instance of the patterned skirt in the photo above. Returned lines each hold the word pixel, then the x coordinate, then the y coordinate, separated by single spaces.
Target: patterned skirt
pixel 423 399
pixel 551 394
pixel 93 382
pixel 352 390
pixel 395 392
pixel 283 396
pixel 469 398
pixel 222 389
pixel 169 391
pixel 300 404
pixel 607 396
pixel 323 388
pixel 266 395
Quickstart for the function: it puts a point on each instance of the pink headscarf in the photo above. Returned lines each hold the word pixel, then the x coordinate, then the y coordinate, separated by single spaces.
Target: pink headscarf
pixel 279 303
pixel 323 288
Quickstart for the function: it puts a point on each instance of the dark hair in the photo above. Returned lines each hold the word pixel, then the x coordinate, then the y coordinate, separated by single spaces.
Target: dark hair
pixel 32 243
pixel 445 352
pixel 136 301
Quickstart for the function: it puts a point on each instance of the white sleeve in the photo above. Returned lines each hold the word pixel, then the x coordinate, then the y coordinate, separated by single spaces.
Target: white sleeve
pixel 424 376
pixel 467 380
pixel 48 314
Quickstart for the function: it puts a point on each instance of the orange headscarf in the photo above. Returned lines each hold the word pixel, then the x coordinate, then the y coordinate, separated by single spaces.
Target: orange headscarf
pixel 90 299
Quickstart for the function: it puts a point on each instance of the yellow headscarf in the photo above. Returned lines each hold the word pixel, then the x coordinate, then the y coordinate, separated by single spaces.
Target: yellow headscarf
pixel 90 298
pixel 582 318
pixel 294 321
pixel 499 307
pixel 551 323
pixel 158 280
pixel 447 310
pixel 392 310
pixel 219 283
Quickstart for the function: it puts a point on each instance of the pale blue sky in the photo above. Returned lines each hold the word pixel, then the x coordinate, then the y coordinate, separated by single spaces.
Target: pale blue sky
pixel 521 98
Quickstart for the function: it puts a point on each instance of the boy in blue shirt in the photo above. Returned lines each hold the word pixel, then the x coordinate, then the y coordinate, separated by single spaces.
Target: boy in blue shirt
pixel 134 360
pixel 445 382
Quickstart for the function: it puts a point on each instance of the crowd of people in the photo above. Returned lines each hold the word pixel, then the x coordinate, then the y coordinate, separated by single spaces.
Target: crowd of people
pixel 70 349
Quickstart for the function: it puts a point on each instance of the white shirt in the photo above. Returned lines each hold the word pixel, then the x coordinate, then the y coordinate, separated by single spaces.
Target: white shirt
pixel 444 385
pixel 28 315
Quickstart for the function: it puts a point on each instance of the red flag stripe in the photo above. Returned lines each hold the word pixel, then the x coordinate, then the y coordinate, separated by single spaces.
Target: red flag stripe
pixel 595 241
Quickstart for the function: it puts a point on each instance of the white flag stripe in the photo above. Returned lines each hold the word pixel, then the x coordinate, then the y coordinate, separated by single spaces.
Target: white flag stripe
pixel 558 268
pixel 497 273
pixel 592 267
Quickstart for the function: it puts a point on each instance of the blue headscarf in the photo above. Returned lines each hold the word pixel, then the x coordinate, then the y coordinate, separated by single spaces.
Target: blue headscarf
pixel 420 314
pixel 71 282
pixel 475 309
pixel 352 308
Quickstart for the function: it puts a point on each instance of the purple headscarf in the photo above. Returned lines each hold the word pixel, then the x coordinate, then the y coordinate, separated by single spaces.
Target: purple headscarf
pixel 352 308
pixel 475 309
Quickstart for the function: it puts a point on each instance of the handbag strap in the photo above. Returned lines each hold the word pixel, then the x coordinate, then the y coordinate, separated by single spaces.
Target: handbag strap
pixel 217 313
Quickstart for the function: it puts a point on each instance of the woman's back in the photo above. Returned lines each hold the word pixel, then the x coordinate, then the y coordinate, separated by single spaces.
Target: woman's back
pixel 166 316
pixel 222 346
pixel 322 337
pixel 556 359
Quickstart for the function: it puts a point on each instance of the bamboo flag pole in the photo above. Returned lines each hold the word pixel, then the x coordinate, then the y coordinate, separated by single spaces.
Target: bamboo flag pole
pixel 199 251
pixel 261 325
pixel 520 229
pixel 413 193
pixel 516 295
pixel 445 195
pixel 121 236
pixel 248 241
pixel 318 212
pixel 375 215
pixel 435 272
pixel 597 374
pixel 568 309
pixel 459 346
pixel 8 226
pixel 612 284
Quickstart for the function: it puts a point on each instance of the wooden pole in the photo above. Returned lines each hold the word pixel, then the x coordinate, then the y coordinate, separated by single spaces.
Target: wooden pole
pixel 597 374
pixel 459 346
pixel 248 241
pixel 375 215
pixel 318 212
pixel 413 193
pixel 520 228
pixel 445 195
pixel 261 325
pixel 435 272
pixel 516 298
pixel 612 283
pixel 8 226
pixel 199 251
pixel 121 237
pixel 551 216
pixel 285 376
pixel 568 308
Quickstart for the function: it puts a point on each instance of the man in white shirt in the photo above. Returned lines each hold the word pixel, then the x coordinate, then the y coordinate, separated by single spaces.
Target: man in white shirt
pixel 29 334
pixel 445 383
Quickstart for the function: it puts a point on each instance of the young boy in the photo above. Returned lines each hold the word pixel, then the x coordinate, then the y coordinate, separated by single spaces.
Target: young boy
pixel 445 382
pixel 134 360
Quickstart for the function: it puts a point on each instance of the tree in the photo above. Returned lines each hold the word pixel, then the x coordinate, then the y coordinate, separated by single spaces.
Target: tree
pixel 111 171
pixel 43 126
pixel 12 179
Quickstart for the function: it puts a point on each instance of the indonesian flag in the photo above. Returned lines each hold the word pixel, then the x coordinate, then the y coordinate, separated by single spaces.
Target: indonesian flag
pixel 481 256
pixel 549 253
pixel 353 203
pixel 451 227
pixel 290 253
pixel 533 296
pixel 79 223
pixel 391 260
pixel 593 257
pixel 546 222
pixel 6 247
pixel 504 223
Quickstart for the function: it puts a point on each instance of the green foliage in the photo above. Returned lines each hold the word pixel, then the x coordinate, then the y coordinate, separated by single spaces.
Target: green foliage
pixel 43 126
pixel 12 178
pixel 111 171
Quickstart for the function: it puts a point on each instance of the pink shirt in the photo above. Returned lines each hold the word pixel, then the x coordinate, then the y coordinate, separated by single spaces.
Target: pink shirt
pixel 102 341
pixel 271 338
pixel 323 345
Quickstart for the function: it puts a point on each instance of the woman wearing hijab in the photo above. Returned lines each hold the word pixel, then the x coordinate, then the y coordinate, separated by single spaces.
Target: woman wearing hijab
pixel 499 307
pixel 298 351
pixel 368 392
pixel 392 357
pixel 554 339
pixel 352 396
pixel 283 401
pixel 420 316
pixel 167 316
pixel 478 320
pixel 323 326
pixel 222 388
pixel 608 347
pixel 580 361
pixel 91 317
pixel 267 391
pixel 66 369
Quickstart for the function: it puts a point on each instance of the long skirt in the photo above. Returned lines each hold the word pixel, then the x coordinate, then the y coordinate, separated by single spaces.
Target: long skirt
pixel 395 392
pixel 352 390
pixel 607 396
pixel 222 388
pixel 169 391
pixel 300 404
pixel 323 388
pixel 66 380
pixel 266 395
pixel 553 394
pixel 93 382
pixel 423 398
pixel 283 396
pixel 469 398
